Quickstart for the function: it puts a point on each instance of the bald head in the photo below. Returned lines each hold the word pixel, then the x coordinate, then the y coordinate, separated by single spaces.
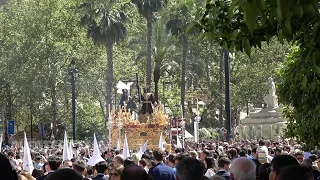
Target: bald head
pixel 243 168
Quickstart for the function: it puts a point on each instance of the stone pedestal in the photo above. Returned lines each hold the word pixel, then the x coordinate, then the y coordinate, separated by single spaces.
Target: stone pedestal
pixel 262 123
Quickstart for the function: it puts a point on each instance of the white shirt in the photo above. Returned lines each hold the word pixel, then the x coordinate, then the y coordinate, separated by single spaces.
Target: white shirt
pixel 209 173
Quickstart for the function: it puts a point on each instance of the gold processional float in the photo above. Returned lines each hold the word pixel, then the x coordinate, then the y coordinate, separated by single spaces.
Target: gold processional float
pixel 148 124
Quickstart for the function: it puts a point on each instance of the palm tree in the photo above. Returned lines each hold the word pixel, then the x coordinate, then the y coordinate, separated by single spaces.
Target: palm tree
pixel 163 52
pixel 147 8
pixel 178 27
pixel 105 26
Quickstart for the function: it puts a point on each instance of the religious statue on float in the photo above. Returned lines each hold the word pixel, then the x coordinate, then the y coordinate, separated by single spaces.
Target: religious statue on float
pixel 126 100
pixel 148 102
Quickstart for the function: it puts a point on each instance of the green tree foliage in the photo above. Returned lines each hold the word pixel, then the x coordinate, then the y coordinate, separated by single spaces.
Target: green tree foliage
pixel 299 91
pixel 38 39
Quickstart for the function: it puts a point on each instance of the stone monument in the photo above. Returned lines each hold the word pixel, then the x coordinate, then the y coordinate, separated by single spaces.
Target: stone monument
pixel 267 122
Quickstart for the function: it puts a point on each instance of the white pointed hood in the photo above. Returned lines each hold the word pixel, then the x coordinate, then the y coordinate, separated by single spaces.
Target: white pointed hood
pixel 161 142
pixel 144 147
pixel 178 143
pixel 96 153
pixel 126 152
pixel 118 145
pixel 27 161
pixel 71 149
pixel 66 152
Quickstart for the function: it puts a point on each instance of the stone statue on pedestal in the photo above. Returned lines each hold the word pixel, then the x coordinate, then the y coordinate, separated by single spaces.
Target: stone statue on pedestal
pixel 271 99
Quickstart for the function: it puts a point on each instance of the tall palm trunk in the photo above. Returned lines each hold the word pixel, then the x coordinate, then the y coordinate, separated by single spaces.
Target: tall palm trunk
pixel 156 78
pixel 149 55
pixel 109 76
pixel 183 75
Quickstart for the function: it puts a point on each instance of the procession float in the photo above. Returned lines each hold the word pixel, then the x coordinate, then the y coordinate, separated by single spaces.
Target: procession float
pixel 147 122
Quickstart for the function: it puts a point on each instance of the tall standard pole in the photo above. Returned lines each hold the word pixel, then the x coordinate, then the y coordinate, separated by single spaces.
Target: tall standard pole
pixel 73 106
pixel 227 86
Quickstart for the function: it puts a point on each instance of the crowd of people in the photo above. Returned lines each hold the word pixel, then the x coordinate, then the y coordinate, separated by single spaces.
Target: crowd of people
pixel 260 160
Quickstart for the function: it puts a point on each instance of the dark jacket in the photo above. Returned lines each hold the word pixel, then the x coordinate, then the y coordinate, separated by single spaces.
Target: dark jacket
pixel 100 177
pixel 224 174
pixel 43 177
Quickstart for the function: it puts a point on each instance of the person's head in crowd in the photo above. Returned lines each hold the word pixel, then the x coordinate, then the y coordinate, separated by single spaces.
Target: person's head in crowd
pixel 263 171
pixel 299 156
pixel 27 175
pixel 296 172
pixel 204 153
pixel 307 163
pixel 101 167
pixel 277 152
pixel 243 168
pixel 54 163
pixel 179 157
pixel 80 167
pixel 254 152
pixel 287 149
pixel 134 172
pixel 128 161
pixel 189 169
pixel 280 162
pixel 8 172
pixel 224 163
pixel 145 156
pixel 150 163
pixel 313 157
pixel 232 153
pixel 67 164
pixel 116 172
pixel 142 163
pixel 135 158
pixel 171 160
pixel 158 155
pixel 217 177
pixel 118 160
pixel 242 153
pixel 209 163
pixel 193 154
pixel 22 177
pixel 262 143
pixel 64 174
pixel 37 173
pixel 178 150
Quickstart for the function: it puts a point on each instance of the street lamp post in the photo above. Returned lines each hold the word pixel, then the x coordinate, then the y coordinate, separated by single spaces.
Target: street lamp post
pixel 73 73
pixel 227 86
